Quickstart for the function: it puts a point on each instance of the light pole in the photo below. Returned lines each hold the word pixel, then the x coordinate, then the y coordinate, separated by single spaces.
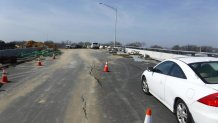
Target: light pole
pixel 115 28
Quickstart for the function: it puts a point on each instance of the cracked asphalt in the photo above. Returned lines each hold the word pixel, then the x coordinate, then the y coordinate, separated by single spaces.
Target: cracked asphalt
pixel 74 89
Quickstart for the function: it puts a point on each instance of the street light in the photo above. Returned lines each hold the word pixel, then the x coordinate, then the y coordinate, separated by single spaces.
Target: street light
pixel 115 28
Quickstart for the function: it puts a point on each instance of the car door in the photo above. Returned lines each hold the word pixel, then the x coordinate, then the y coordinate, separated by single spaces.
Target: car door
pixel 175 84
pixel 159 76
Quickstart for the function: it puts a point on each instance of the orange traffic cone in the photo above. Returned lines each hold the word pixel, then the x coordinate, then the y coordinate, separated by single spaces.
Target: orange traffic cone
pixel 39 63
pixel 106 67
pixel 4 78
pixel 148 118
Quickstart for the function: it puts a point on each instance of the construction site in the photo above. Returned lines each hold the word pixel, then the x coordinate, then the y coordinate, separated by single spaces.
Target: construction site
pixel 108 61
pixel 77 86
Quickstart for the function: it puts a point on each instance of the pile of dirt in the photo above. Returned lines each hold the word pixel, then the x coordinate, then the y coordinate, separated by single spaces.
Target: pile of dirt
pixel 31 43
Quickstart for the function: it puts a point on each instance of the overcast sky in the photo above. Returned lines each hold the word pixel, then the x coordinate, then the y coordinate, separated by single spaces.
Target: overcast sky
pixel 163 22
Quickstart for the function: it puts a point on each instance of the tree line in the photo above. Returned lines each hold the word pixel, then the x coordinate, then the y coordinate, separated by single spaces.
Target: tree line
pixel 84 44
pixel 4 45
pixel 190 48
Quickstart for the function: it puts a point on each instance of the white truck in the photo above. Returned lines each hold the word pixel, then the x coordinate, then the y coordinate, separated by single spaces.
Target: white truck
pixel 95 45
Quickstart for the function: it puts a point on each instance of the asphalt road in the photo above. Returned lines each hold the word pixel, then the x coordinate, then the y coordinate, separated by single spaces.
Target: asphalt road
pixel 74 89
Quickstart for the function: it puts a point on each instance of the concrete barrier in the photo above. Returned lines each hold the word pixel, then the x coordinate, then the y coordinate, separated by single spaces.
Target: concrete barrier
pixel 12 55
pixel 15 52
pixel 160 56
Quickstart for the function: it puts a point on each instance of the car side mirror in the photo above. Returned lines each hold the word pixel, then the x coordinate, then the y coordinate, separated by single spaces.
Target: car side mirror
pixel 151 69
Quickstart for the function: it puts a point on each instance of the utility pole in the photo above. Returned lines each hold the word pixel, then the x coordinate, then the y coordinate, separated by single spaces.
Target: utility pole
pixel 115 26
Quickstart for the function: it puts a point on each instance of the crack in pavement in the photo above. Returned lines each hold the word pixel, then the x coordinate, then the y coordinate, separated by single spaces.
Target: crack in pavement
pixel 84 107
pixel 94 74
pixel 98 81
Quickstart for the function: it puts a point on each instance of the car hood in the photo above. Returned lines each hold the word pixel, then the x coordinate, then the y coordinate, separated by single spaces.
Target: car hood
pixel 213 86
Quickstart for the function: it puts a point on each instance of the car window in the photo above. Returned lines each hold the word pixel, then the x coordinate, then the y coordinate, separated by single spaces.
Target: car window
pixel 177 72
pixel 208 71
pixel 164 67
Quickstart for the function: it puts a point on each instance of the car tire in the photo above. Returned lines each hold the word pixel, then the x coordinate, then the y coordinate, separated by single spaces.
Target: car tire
pixel 145 87
pixel 182 112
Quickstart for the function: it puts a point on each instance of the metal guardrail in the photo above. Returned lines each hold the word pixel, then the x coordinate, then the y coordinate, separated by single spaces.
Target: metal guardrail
pixel 44 53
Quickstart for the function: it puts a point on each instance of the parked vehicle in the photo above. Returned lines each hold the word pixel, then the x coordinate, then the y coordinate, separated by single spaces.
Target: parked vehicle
pixel 95 46
pixel 73 46
pixel 101 47
pixel 68 46
pixel 187 86
pixel 113 50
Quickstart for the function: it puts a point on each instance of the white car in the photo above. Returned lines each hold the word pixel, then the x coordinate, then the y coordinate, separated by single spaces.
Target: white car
pixel 187 86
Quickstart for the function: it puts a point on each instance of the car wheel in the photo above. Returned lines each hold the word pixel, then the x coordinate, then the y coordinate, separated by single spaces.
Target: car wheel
pixel 145 87
pixel 182 112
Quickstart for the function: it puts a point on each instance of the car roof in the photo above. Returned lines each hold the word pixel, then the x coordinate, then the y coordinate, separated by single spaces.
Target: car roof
pixel 189 60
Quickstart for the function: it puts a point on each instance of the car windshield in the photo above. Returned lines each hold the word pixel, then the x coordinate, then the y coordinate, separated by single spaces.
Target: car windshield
pixel 208 71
